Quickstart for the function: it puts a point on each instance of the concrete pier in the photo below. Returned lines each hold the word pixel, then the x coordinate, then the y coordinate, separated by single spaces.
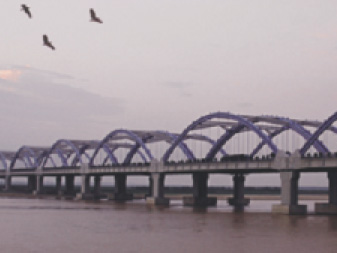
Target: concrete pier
pixel 289 195
pixel 149 193
pixel 97 188
pixel 157 195
pixel 58 185
pixel 238 201
pixel 331 207
pixel 32 183
pixel 86 193
pixel 200 192
pixel 70 186
pixel 8 183
pixel 121 194
pixel 85 188
pixel 39 185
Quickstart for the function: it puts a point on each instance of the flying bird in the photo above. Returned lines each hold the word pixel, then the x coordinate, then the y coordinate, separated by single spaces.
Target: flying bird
pixel 47 43
pixel 94 18
pixel 25 8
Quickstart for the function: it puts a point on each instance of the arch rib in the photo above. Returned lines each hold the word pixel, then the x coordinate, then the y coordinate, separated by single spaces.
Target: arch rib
pixel 325 125
pixel 242 122
pixel 129 134
pixel 61 153
pixel 299 129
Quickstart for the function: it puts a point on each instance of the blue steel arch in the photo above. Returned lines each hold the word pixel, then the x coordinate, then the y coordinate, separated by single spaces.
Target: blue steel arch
pixel 188 152
pixel 110 153
pixel 272 135
pixel 142 156
pixel 3 160
pixel 185 149
pixel 314 137
pixel 298 128
pixel 60 153
pixel 25 149
pixel 135 148
pixel 217 146
pixel 212 142
pixel 290 124
pixel 43 155
pixel 320 147
pixel 81 151
pixel 192 156
pixel 128 133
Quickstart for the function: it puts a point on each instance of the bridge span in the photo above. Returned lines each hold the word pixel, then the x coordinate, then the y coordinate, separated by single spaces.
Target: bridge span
pixel 217 143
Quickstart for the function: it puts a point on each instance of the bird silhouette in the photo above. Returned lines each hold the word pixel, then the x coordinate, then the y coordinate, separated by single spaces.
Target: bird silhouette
pixel 25 8
pixel 47 43
pixel 94 18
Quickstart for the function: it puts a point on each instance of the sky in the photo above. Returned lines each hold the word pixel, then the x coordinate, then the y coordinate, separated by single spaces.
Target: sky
pixel 159 65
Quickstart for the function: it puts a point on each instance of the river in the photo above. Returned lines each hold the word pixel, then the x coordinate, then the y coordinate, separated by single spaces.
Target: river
pixel 49 225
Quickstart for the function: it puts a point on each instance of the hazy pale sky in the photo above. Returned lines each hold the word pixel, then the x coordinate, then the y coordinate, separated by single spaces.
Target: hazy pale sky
pixel 160 64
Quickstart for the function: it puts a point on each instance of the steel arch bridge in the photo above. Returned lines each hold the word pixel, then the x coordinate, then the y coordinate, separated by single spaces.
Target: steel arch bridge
pixel 123 147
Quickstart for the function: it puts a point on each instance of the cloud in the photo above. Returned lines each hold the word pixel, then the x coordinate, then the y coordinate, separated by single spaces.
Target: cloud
pixel 37 109
pixel 10 74
pixel 54 102
pixel 36 74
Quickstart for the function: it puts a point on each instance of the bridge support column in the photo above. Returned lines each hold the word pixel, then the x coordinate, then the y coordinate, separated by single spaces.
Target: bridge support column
pixel 238 201
pixel 70 186
pixel 149 193
pixel 331 207
pixel 97 188
pixel 58 185
pixel 32 183
pixel 200 191
pixel 39 185
pixel 121 194
pixel 289 195
pixel 8 183
pixel 85 188
pixel 157 195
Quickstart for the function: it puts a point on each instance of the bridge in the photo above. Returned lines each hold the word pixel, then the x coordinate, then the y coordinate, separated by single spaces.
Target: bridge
pixel 217 143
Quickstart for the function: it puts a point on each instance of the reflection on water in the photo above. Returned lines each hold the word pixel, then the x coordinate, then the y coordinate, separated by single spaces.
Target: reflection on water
pixel 46 225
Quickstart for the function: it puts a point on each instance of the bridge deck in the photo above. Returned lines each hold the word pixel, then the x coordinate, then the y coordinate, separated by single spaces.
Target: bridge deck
pixel 249 166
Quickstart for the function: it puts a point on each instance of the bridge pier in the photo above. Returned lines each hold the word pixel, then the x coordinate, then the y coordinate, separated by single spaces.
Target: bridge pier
pixel 70 186
pixel 157 195
pixel 289 195
pixel 58 185
pixel 8 183
pixel 32 183
pixel 149 193
pixel 238 201
pixel 39 185
pixel 331 207
pixel 85 188
pixel 97 187
pixel 200 191
pixel 121 194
